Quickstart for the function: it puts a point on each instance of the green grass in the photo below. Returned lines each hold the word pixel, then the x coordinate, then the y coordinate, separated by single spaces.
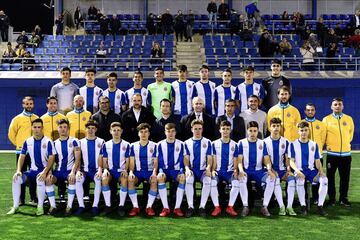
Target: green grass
pixel 342 223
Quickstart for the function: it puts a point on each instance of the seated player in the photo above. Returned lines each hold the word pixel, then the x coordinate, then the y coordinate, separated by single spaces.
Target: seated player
pixel 197 162
pixel 143 167
pixel 171 164
pixel 67 162
pixel 304 157
pixel 115 161
pixel 277 148
pixel 225 154
pixel 91 147
pixel 42 154
pixel 252 156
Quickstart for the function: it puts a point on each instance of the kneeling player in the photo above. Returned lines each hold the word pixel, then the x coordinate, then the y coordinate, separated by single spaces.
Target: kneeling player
pixel 304 156
pixel 143 167
pixel 115 161
pixel 42 154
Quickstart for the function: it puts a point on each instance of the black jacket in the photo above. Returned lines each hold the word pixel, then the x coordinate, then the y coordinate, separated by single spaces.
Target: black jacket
pixel 208 128
pixel 115 25
pixel 158 128
pixel 271 85
pixel 104 122
pixel 211 8
pixel 239 128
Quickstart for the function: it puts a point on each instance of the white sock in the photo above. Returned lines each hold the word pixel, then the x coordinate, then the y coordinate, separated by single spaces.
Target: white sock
pixel 235 188
pixel 300 188
pixel 189 190
pixel 323 188
pixel 107 195
pixel 163 194
pixel 97 191
pixel 50 191
pixel 151 198
pixel 269 190
pixel 205 191
pixel 71 195
pixel 40 192
pixel 123 193
pixel 291 192
pixel 278 193
pixel 214 192
pixel 179 194
pixel 16 191
pixel 80 191
pixel 244 191
pixel 133 197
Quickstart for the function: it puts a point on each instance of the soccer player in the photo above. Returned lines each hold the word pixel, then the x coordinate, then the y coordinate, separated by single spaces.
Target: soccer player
pixel 42 155
pixel 159 90
pixel 171 164
pixel 223 93
pixel 197 162
pixel 287 113
pixel 78 118
pixel 138 88
pixel 182 93
pixel 252 156
pixel 225 154
pixel 143 166
pixel 116 153
pixel 91 150
pixel 248 88
pixel 205 89
pixel 277 148
pixel 50 119
pixel 115 95
pixel 90 91
pixel 304 157
pixel 68 162
pixel 64 91
pixel 253 113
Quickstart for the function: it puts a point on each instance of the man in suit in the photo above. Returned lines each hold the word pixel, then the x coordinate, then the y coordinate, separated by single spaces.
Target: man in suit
pixel 198 113
pixel 238 129
pixel 133 117
pixel 355 21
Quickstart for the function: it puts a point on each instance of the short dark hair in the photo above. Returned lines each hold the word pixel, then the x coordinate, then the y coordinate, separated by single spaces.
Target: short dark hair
pixel 143 126
pixel 197 121
pixel 63 121
pixel 303 124
pixel 115 124
pixel 230 100
pixel 227 70
pixel 65 69
pixel 51 98
pixel 159 69
pixel 37 120
pixel 90 70
pixel 284 88
pixel 27 98
pixel 204 67
pixel 92 123
pixel 249 68
pixel 165 100
pixel 225 123
pixel 169 126
pixel 275 121
pixel 112 74
pixel 310 105
pixel 252 124
pixel 337 99
pixel 182 68
pixel 254 96
pixel 140 73
pixel 276 61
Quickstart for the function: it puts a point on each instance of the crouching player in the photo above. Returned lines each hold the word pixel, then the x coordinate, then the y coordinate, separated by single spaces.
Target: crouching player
pixel 304 157
pixel 143 167
pixel 171 164
pixel 42 154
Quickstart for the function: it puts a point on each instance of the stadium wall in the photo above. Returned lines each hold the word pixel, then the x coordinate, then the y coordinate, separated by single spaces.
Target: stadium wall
pixel 318 91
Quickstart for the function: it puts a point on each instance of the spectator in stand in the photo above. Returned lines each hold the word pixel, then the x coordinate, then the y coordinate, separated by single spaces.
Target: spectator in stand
pixel 101 51
pixel 9 54
pixel 331 59
pixel 285 46
pixel 321 31
pixel 354 41
pixel 59 22
pixel 246 33
pixel 99 15
pixel 251 9
pixel 212 10
pixel 331 37
pixel 355 21
pixel 167 22
pixel 190 19
pixel 265 47
pixel 285 18
pixel 34 41
pixel 104 25
pixel 77 17
pixel 22 39
pixel 4 26
pixel 38 32
pixel 339 31
pixel 156 53
pixel 150 24
pixel 224 11
pixel 179 26
pixel 92 13
pixel 20 52
pixel 234 23
pixel 115 26
pixel 299 24
pixel 307 51
pixel 314 43
pixel 28 62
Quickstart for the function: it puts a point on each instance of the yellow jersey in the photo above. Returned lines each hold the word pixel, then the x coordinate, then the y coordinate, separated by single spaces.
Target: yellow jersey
pixel 50 124
pixel 317 132
pixel 77 120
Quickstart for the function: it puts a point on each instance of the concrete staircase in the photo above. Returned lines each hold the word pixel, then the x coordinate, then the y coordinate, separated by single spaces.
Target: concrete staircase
pixel 190 54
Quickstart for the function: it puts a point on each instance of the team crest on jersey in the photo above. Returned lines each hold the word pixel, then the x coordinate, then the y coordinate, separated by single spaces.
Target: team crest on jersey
pixel 256 89
pixel 283 146
pixel 123 148
pixel 232 148
pixel 317 127
pixel 204 145
pixel 165 88
pixel 260 147
pixel 213 87
pixel 44 145
pixel 177 149
pixel 70 145
pixel 84 118
pixel 97 93
pixel 189 86
pixel 281 82
pixel 344 123
pixel 99 145
pixel 312 148
pixel 144 93
pixel 118 96
pixel 288 115
pixel 151 150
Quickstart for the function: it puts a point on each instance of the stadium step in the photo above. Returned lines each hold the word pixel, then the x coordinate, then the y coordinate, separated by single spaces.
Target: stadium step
pixel 189 53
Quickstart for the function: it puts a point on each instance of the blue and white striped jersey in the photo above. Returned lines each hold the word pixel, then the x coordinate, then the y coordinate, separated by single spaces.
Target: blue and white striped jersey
pixel 90 151
pixel 253 154
pixel 182 92
pixel 243 91
pixel 144 155
pixel 91 97
pixel 222 94
pixel 117 99
pixel 65 158
pixel 171 155
pixel 145 94
pixel 116 154
pixel 224 154
pixel 277 150
pixel 198 151
pixel 206 92
pixel 304 154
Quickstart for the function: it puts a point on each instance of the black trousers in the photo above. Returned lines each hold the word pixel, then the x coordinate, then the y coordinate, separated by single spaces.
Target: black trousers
pixel 315 188
pixel 32 186
pixel 344 165
pixel 4 35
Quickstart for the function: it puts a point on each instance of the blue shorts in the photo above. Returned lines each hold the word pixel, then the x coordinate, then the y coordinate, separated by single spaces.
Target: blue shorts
pixel 199 175
pixel 281 173
pixel 143 175
pixel 61 176
pixel 256 175
pixel 225 176
pixel 115 175
pixel 89 176
pixel 172 174
pixel 310 175
pixel 31 175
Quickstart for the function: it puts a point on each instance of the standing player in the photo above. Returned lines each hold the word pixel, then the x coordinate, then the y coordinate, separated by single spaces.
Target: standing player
pixel 90 91
pixel 252 156
pixel 138 88
pixel 50 119
pixel 115 95
pixel 143 167
pixel 197 163
pixel 304 157
pixel 78 118
pixel 91 147
pixel 223 93
pixel 42 155
pixel 116 154
pixel 171 164
pixel 225 154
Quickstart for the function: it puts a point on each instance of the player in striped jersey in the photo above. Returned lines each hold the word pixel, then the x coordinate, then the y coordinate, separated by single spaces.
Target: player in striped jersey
pixel 248 88
pixel 116 154
pixel 252 156
pixel 91 148
pixel 42 154
pixel 90 91
pixel 225 154
pixel 143 167
pixel 304 157
pixel 67 162
pixel 171 164
pixel 223 92
pixel 205 89
pixel 197 163
pixel 138 88
pixel 277 147
pixel 182 93
pixel 115 95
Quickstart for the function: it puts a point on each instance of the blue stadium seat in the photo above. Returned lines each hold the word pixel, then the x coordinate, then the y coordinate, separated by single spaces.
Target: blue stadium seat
pixel 61 51
pixel 220 51
pixel 92 51
pixel 75 44
pixel 5 67
pixel 69 38
pixel 209 51
pixel 71 51
pixel 82 51
pixel 86 43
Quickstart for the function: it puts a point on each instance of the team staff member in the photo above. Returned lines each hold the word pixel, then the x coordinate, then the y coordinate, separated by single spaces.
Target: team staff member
pixel 78 118
pixel 51 117
pixel 339 134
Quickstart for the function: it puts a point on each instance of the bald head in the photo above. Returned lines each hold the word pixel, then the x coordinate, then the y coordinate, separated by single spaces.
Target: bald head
pixel 198 104
pixel 78 102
